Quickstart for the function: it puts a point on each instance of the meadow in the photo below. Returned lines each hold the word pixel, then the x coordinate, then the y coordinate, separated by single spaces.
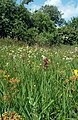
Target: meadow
pixel 30 92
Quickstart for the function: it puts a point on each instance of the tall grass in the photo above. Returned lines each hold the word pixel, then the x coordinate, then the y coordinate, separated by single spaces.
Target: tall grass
pixel 33 92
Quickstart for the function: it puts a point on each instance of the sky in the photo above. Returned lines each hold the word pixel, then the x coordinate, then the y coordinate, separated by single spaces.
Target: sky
pixel 69 8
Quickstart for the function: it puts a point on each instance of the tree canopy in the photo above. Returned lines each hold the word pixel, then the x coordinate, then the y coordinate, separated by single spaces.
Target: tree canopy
pixel 44 26
pixel 26 1
pixel 54 14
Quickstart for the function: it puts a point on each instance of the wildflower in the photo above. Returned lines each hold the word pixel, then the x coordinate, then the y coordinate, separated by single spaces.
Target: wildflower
pixel 76 49
pixel 7 76
pixel 38 66
pixel 72 89
pixel 75 72
pixel 5 116
pixel 13 80
pixel 14 69
pixel 11 116
pixel 73 78
pixel 13 88
pixel 45 60
pixel 66 81
pixel 6 97
pixel 67 58
pixel 32 62
pixel 7 64
pixel 2 71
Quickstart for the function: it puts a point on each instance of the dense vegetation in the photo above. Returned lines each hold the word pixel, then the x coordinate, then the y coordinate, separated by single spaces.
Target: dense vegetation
pixel 37 83
pixel 34 91
pixel 44 26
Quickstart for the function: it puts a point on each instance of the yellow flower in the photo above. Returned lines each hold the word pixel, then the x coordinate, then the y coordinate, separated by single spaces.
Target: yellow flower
pixel 7 76
pixel 75 72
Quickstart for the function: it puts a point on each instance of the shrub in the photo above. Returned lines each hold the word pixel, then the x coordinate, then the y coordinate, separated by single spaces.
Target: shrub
pixel 31 35
pixel 47 38
pixel 68 35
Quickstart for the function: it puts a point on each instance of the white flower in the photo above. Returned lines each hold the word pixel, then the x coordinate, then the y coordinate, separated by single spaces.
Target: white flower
pixel 76 49
pixel 67 58
pixel 7 64
pixel 43 57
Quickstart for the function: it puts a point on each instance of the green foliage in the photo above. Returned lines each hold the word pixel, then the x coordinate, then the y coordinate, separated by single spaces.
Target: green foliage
pixel 19 31
pixel 26 1
pixel 42 22
pixel 68 35
pixel 31 36
pixel 21 23
pixel 7 16
pixel 47 38
pixel 14 20
pixel 23 15
pixel 54 14
pixel 73 23
pixel 36 93
pixel 9 41
pixel 40 27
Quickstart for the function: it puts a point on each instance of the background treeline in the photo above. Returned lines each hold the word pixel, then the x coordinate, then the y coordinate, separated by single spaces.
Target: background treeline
pixel 44 26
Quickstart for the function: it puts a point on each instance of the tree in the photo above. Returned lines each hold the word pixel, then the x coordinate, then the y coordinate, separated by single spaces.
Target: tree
pixel 42 22
pixel 26 2
pixel 24 15
pixel 7 15
pixel 14 19
pixel 74 23
pixel 54 14
pixel 68 35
